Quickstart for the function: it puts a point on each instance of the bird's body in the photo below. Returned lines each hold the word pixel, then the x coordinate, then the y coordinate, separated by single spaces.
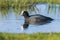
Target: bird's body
pixel 37 19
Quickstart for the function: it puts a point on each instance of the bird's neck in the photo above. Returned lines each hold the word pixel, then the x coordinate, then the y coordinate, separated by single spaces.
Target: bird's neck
pixel 26 16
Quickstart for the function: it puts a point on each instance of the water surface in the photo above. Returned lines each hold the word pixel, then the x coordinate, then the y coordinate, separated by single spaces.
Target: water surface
pixel 12 22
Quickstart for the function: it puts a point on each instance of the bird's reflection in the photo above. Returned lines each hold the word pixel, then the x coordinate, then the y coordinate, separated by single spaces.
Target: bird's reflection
pixel 25 25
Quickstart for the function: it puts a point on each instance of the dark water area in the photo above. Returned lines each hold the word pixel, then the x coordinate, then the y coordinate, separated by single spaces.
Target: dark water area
pixel 11 20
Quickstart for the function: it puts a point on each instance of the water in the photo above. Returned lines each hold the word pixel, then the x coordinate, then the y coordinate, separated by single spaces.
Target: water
pixel 12 23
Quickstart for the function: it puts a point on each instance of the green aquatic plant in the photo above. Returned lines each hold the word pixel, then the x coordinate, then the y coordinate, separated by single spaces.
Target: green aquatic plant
pixel 33 36
pixel 22 3
pixel 19 5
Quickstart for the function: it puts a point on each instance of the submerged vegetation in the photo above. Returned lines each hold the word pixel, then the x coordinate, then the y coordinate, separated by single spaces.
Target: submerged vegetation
pixel 34 36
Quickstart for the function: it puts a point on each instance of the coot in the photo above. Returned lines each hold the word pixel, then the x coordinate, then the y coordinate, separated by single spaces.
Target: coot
pixel 35 19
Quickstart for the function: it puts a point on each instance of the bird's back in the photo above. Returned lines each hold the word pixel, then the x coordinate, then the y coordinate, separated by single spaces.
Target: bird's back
pixel 39 19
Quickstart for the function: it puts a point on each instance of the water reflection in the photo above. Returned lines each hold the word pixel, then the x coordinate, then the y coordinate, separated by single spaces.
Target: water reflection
pixel 11 21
